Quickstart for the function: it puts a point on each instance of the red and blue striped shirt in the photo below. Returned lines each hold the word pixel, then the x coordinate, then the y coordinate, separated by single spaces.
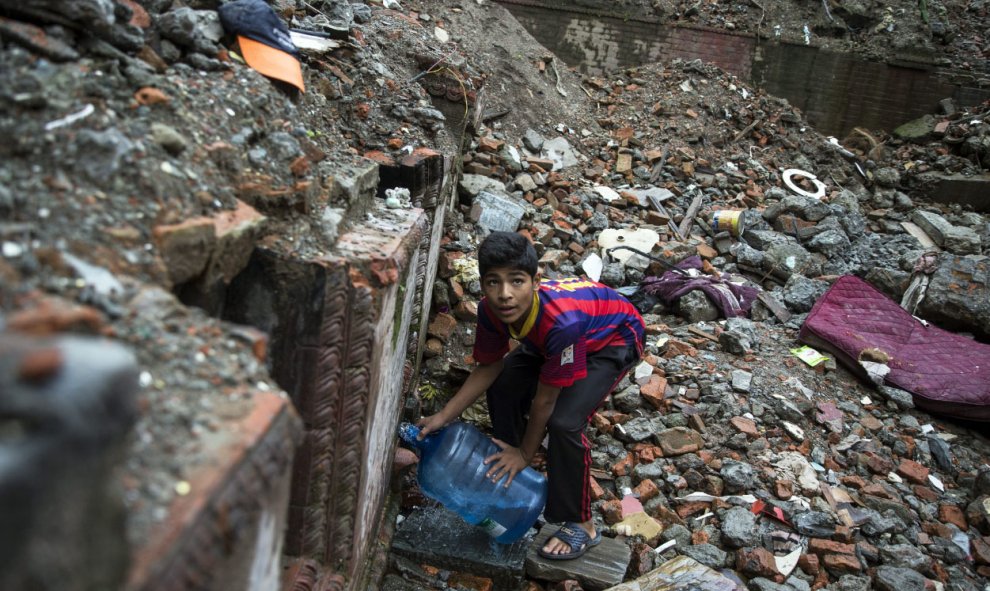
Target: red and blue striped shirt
pixel 571 318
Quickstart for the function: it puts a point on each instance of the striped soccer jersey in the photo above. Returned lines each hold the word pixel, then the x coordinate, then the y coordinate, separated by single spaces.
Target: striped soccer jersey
pixel 569 319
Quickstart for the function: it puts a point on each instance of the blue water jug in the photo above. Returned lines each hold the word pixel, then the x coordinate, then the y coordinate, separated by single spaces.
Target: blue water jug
pixel 452 471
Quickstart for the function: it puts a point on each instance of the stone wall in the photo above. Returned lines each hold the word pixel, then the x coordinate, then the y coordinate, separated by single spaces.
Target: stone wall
pixel 835 91
pixel 343 330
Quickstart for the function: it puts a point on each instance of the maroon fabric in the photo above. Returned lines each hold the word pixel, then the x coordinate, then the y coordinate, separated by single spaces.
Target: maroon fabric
pixel 731 299
pixel 948 373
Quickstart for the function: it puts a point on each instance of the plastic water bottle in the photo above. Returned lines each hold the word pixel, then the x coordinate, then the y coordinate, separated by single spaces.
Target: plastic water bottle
pixel 452 471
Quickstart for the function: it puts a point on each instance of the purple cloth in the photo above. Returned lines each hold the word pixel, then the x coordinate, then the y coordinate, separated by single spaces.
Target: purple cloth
pixel 948 373
pixel 731 299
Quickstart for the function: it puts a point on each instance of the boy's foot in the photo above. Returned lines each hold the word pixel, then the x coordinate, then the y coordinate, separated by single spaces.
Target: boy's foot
pixel 571 541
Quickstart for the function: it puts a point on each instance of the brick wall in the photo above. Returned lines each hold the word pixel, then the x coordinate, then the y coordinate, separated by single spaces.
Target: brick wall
pixel 835 91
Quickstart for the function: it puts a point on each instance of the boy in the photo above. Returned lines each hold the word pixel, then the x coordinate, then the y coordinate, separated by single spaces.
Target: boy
pixel 577 339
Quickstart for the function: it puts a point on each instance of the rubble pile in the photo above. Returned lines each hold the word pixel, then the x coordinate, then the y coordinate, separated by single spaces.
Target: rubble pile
pixel 144 163
pixel 943 32
pixel 748 461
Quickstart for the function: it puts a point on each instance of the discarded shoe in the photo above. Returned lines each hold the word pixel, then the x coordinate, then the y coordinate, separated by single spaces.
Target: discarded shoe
pixel 574 536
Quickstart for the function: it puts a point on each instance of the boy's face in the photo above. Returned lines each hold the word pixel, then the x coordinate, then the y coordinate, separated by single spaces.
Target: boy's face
pixel 509 293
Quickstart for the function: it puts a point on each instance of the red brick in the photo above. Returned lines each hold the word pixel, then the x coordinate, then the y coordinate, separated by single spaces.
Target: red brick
pixel 948 513
pixel 624 466
pixel 489 144
pixel 877 464
pixel 756 562
pixel 52 316
pixel 981 550
pixel 611 511
pixel 647 489
pixel 685 510
pixel 853 481
pixel 823 546
pixel 442 326
pixel 744 425
pixel 809 563
pixel 469 581
pixel 675 348
pixel 653 391
pixel 597 492
pixel 705 251
pixel 445 263
pixel 913 471
pixel 843 533
pixel 466 310
pixel 842 563
pixel 784 489
pixel 39 364
pixel 878 490
pixel 641 561
pixel 540 164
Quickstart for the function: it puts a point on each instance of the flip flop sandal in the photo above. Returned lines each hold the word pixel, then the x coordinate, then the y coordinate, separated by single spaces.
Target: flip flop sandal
pixel 574 536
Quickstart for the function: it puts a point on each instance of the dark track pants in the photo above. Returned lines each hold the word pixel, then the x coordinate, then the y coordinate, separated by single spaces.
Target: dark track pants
pixel 568 449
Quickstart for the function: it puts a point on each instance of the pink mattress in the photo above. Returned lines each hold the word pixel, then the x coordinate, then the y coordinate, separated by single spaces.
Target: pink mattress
pixel 947 373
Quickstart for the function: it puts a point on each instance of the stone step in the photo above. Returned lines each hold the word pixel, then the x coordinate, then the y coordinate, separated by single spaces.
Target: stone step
pixel 601 567
pixel 440 538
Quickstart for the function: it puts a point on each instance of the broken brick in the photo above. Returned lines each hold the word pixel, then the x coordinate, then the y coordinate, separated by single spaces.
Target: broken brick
pixel 442 326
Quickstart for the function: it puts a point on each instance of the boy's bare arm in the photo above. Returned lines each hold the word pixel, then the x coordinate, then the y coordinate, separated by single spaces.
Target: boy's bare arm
pixel 482 376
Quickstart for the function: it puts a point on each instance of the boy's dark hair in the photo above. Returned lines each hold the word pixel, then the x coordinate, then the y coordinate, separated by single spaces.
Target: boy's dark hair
pixel 507 249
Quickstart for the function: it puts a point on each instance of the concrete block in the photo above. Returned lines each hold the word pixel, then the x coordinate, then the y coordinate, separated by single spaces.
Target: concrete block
pixel 963 240
pixel 473 184
pixel 601 567
pixel 185 247
pixel 497 212
pixel 440 538
pixel 936 226
pixel 352 183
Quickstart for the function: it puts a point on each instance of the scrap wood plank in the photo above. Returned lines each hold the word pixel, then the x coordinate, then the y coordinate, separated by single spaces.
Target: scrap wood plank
pixel 692 211
pixel 663 211
pixel 774 306
pixel 702 333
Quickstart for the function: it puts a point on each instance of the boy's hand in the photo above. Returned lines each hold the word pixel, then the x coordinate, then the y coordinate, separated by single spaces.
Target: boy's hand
pixel 430 424
pixel 510 461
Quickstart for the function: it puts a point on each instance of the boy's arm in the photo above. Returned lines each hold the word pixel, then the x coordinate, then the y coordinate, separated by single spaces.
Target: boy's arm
pixel 482 376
